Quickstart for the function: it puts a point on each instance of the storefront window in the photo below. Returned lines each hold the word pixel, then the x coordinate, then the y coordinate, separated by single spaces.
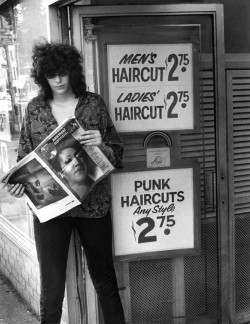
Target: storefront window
pixel 21 24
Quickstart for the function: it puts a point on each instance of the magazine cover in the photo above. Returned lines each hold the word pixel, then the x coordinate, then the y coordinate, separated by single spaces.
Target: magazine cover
pixel 60 172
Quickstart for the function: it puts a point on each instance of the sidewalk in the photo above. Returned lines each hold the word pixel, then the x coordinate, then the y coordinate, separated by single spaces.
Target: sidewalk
pixel 13 309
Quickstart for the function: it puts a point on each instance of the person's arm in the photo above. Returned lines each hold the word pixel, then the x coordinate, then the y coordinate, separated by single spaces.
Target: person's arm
pixel 106 138
pixel 24 148
pixel 112 145
pixel 25 141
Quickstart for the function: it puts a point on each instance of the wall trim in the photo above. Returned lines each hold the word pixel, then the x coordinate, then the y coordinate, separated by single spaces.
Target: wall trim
pixel 237 61
pixel 21 240
pixel 5 3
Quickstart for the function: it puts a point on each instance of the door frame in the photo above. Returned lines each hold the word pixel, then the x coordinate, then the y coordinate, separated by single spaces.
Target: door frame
pixel 216 11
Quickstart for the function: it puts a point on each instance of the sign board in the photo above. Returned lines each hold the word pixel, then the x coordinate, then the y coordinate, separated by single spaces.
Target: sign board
pixel 154 212
pixel 4 157
pixel 158 157
pixel 151 86
pixel 5 134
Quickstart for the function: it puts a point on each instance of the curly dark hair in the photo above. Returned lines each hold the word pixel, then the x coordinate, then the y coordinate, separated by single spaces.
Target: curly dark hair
pixel 51 58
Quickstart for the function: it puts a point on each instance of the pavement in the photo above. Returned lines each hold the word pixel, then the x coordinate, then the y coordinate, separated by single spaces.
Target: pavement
pixel 13 309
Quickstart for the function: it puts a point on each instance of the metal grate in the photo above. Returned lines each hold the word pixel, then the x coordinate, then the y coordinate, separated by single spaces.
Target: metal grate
pixel 242 265
pixel 151 291
pixel 151 283
pixel 201 277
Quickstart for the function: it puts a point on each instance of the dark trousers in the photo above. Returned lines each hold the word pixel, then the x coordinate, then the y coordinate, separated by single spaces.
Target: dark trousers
pixel 52 243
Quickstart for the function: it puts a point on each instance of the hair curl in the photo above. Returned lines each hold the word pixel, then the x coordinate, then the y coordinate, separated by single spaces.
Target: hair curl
pixel 50 58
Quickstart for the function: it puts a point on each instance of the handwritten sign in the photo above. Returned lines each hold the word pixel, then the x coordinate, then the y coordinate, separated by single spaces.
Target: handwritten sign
pixel 151 86
pixel 153 211
pixel 158 157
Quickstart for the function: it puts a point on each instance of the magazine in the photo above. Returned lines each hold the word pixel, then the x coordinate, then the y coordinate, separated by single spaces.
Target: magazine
pixel 60 172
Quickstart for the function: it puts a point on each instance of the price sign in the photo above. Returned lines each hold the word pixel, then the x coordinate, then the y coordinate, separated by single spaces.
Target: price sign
pixel 151 86
pixel 153 211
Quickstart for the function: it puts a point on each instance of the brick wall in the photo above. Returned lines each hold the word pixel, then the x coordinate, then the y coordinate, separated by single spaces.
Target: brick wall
pixel 19 264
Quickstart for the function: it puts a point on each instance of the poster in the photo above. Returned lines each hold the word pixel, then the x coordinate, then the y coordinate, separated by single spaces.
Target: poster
pixel 154 211
pixel 4 157
pixel 5 134
pixel 151 86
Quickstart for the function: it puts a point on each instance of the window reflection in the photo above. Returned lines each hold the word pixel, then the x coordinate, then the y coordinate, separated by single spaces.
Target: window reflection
pixel 18 30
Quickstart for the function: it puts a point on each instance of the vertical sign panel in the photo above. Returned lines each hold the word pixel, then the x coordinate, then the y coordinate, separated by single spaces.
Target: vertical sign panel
pixel 151 86
pixel 154 211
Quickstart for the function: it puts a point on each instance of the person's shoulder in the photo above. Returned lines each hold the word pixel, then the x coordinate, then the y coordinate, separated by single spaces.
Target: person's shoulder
pixel 91 96
pixel 94 100
pixel 36 102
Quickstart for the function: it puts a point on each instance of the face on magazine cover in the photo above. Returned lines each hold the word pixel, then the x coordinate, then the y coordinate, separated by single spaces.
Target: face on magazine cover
pixel 74 169
pixel 72 164
pixel 34 189
pixel 39 185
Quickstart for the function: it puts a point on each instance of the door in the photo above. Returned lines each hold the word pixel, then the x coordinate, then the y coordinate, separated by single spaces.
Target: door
pixel 179 288
pixel 238 96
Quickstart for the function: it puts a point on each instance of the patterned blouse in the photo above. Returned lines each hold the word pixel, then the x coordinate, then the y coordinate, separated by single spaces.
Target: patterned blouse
pixel 91 112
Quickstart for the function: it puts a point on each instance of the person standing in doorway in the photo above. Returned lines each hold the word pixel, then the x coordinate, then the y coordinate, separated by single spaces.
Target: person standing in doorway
pixel 57 69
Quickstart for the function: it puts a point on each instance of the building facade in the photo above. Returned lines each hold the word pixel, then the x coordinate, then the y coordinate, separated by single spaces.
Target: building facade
pixel 175 76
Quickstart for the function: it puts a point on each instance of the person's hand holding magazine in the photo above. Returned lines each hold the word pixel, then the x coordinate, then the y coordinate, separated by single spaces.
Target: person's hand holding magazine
pixel 16 190
pixel 90 137
pixel 93 137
